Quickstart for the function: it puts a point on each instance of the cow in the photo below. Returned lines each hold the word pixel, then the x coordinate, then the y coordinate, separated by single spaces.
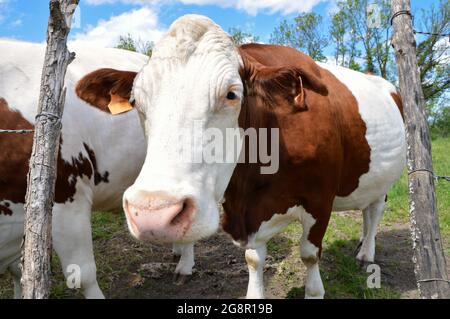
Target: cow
pixel 100 154
pixel 341 146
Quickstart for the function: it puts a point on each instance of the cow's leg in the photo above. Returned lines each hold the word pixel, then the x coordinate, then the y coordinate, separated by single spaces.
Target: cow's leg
pixel 364 231
pixel 372 216
pixel 311 248
pixel 16 274
pixel 72 240
pixel 365 226
pixel 255 261
pixel 183 271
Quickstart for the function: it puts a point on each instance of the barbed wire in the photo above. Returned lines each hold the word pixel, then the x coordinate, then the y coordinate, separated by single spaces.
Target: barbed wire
pixel 436 177
pixel 432 33
pixel 398 13
pixel 445 178
pixel 17 131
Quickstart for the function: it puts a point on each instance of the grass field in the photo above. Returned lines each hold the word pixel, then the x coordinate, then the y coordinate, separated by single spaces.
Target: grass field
pixel 127 269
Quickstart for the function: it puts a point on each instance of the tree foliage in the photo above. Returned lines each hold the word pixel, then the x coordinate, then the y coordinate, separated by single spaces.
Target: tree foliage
pixel 136 45
pixel 360 38
pixel 241 37
pixel 306 34
pixel 433 53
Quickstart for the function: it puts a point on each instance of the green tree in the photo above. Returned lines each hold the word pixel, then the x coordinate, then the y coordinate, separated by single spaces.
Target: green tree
pixel 368 30
pixel 305 34
pixel 433 52
pixel 345 44
pixel 338 36
pixel 129 43
pixel 241 37
pixel 126 43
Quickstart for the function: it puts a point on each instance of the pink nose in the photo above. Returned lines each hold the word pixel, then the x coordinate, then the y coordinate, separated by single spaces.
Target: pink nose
pixel 157 217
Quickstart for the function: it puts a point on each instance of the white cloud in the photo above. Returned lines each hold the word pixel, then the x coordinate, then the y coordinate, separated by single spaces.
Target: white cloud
pixel 142 24
pixel 252 7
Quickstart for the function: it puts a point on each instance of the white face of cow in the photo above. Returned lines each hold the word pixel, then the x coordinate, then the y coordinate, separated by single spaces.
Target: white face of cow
pixel 191 84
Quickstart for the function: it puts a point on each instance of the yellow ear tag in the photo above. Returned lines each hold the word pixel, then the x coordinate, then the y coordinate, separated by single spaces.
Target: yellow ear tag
pixel 119 105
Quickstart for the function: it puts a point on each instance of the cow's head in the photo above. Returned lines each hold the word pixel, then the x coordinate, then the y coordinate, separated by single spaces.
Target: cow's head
pixel 197 80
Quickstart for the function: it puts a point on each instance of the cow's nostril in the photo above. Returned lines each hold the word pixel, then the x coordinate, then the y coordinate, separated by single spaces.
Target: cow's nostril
pixel 184 213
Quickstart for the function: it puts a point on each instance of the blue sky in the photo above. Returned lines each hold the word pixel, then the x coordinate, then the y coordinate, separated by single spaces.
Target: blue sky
pixel 103 21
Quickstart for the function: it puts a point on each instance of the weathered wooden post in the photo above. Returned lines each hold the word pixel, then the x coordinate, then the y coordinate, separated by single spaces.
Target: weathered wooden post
pixel 429 260
pixel 42 174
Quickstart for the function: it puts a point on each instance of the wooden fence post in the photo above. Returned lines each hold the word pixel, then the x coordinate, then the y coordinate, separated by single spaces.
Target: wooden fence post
pixel 42 174
pixel 429 259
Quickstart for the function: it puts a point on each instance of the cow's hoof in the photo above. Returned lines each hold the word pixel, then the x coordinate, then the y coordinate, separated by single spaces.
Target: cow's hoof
pixel 179 279
pixel 363 263
pixel 358 247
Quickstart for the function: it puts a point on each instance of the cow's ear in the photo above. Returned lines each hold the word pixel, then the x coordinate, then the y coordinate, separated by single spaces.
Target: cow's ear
pixel 107 89
pixel 290 83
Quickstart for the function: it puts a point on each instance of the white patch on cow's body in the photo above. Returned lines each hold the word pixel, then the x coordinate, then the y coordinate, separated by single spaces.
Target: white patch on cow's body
pixel 117 141
pixel 385 135
pixel 273 226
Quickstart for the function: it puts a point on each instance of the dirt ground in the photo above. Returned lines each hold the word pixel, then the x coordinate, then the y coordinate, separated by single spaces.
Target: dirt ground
pixel 128 269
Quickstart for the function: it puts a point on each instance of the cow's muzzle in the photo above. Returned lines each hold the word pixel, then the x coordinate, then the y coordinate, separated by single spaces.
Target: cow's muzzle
pixel 158 217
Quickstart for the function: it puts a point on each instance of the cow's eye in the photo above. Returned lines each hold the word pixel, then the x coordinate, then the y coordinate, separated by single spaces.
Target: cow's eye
pixel 231 96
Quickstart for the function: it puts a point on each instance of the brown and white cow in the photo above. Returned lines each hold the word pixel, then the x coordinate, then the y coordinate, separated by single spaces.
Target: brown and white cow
pixel 94 162
pixel 100 154
pixel 340 145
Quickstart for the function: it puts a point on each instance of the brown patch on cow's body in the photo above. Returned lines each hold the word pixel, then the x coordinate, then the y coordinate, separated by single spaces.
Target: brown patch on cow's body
pixel 14 155
pixel 96 87
pixel 398 100
pixel 323 151
pixel 14 163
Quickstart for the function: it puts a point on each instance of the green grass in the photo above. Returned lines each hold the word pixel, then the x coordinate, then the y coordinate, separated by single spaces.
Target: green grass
pixel 104 226
pixel 397 210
